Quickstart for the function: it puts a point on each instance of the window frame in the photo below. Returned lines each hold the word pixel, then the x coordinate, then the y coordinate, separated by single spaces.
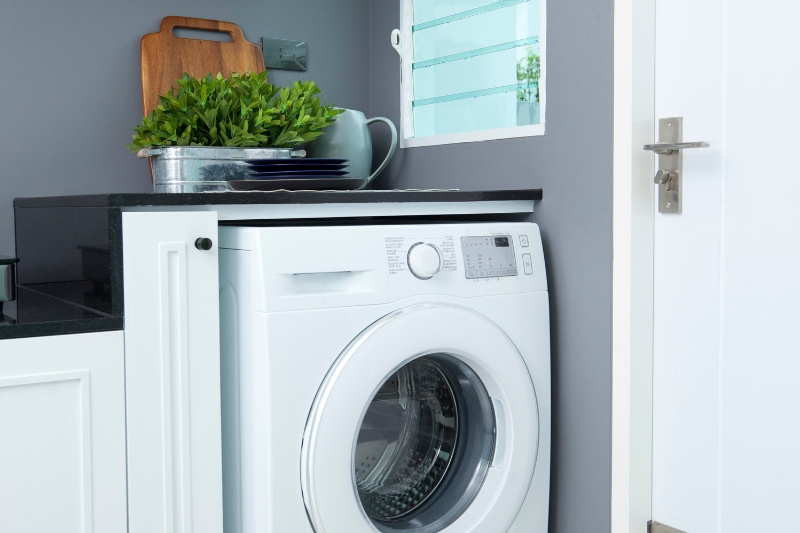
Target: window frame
pixel 407 140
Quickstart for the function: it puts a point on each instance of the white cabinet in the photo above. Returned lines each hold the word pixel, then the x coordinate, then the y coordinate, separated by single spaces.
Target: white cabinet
pixel 172 372
pixel 62 434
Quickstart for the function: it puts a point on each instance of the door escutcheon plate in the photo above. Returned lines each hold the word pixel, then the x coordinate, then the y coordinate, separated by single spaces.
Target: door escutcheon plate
pixel 670 193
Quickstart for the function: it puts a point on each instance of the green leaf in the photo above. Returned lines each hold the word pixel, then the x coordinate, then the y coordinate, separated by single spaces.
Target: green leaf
pixel 237 110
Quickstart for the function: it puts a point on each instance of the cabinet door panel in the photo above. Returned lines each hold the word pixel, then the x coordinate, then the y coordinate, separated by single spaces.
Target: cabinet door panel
pixel 62 436
pixel 172 373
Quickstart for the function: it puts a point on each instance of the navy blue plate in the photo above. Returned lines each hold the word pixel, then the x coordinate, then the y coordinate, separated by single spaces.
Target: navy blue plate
pixel 291 173
pixel 342 184
pixel 298 175
pixel 296 161
pixel 287 167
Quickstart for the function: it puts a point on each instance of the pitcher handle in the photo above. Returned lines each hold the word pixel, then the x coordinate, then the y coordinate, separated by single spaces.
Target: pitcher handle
pixel 392 148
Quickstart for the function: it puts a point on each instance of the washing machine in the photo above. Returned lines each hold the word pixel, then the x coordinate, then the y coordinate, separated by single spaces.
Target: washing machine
pixel 385 378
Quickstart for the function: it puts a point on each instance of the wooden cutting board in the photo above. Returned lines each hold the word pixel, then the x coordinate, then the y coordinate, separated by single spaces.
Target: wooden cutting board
pixel 165 57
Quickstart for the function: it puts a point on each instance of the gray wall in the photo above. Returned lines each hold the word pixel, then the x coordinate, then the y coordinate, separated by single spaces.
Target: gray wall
pixel 572 163
pixel 70 92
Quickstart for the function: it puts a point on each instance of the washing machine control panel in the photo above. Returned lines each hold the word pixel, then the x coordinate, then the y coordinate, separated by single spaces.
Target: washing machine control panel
pixel 488 256
pixel 468 259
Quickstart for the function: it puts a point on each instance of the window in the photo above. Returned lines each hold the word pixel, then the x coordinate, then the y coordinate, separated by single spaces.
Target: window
pixel 472 70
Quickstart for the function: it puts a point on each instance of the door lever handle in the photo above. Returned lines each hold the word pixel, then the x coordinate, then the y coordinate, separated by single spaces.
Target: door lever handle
pixel 669 148
pixel 669 177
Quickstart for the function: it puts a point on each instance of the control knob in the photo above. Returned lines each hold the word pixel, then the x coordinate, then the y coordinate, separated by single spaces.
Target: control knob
pixel 424 260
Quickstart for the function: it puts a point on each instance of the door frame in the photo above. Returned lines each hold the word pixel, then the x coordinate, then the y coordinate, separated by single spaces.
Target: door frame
pixel 632 271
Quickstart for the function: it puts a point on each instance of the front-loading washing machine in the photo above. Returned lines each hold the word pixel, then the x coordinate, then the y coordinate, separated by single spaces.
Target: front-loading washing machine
pixel 385 378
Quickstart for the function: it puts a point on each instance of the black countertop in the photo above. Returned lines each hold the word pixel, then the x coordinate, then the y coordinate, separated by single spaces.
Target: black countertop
pixel 278 197
pixel 39 315
pixel 79 239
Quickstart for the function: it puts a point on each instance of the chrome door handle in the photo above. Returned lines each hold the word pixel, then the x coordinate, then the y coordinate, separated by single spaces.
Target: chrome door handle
pixel 669 177
pixel 668 148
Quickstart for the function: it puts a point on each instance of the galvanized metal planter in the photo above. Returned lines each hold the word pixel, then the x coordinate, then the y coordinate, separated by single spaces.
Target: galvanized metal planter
pixel 179 169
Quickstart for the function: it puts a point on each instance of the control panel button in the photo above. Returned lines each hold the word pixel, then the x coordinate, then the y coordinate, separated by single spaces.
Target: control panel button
pixel 471 274
pixel 523 241
pixel 491 273
pixel 481 273
pixel 527 264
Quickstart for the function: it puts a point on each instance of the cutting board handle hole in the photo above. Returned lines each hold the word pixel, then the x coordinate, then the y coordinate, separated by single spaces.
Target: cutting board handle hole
pixel 202 35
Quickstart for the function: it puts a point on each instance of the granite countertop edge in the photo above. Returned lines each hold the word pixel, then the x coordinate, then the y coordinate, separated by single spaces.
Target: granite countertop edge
pixel 278 197
pixel 61 327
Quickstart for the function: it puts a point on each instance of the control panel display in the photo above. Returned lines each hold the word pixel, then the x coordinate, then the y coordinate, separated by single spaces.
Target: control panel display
pixel 488 257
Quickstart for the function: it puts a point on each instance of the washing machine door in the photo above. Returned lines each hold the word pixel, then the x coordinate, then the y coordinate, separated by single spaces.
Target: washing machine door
pixel 426 423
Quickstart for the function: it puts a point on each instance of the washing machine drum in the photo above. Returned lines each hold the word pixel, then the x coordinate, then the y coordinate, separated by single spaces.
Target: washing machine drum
pixel 426 423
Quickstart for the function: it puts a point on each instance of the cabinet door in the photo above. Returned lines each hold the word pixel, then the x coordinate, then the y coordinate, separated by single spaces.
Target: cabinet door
pixel 62 434
pixel 172 373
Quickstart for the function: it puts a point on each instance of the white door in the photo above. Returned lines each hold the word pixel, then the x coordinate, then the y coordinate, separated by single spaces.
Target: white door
pixel 726 355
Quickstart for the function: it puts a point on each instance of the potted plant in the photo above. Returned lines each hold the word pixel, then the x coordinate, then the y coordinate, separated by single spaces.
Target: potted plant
pixel 242 110
pixel 203 131
pixel 528 72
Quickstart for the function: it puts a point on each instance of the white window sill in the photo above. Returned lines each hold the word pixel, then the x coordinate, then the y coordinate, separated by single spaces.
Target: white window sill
pixel 474 136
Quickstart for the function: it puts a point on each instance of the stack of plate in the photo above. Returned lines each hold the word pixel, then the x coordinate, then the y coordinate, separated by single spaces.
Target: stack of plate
pixel 297 174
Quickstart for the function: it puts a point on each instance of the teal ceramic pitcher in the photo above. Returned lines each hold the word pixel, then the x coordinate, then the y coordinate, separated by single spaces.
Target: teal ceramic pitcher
pixel 348 138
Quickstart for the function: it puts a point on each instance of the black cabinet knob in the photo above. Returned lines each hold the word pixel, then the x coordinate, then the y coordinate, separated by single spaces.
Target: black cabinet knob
pixel 203 243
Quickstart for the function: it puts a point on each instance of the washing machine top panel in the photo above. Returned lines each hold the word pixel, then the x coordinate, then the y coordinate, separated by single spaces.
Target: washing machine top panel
pixel 296 268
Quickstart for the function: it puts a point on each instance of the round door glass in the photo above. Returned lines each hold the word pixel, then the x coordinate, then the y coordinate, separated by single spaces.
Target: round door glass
pixel 424 445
